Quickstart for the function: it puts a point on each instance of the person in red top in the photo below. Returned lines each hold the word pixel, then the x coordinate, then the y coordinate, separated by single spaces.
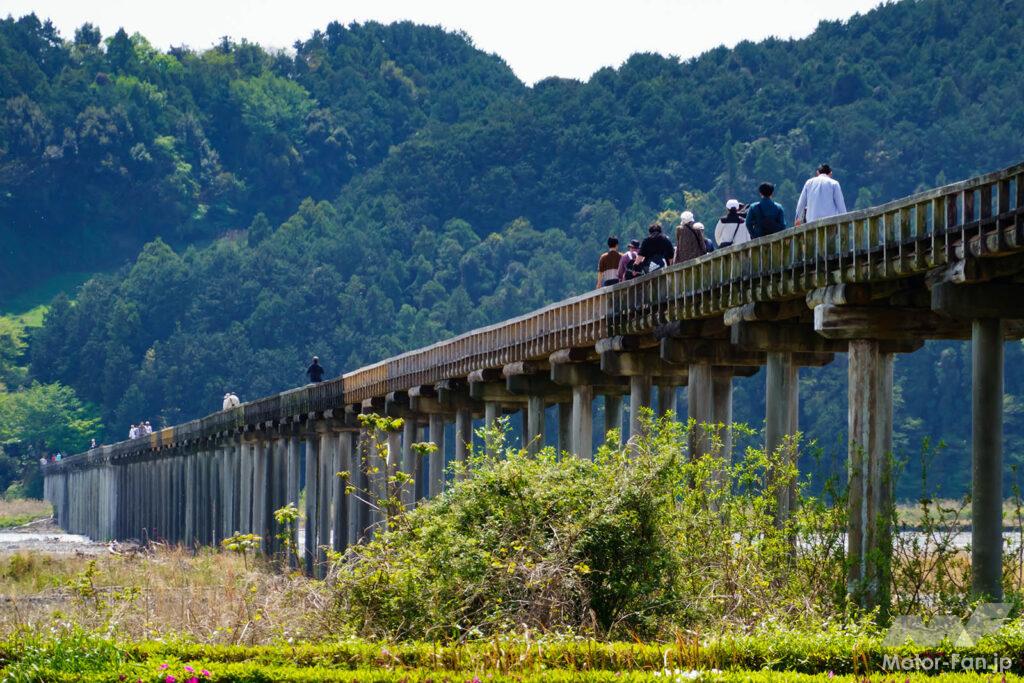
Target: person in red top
pixel 608 264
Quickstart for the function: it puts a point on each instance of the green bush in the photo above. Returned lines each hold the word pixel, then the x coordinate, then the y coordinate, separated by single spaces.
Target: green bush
pixel 637 543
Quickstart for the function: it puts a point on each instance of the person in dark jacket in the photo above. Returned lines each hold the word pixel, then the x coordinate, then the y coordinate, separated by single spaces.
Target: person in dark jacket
pixel 656 250
pixel 692 242
pixel 766 217
pixel 315 371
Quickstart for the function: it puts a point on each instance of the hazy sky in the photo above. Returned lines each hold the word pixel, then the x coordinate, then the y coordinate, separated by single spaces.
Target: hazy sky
pixel 537 38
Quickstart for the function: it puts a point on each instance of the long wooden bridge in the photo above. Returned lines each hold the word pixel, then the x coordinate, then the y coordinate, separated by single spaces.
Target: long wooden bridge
pixel 944 264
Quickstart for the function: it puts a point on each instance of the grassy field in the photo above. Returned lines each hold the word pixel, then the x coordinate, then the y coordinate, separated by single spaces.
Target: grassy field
pixel 22 511
pixel 147 615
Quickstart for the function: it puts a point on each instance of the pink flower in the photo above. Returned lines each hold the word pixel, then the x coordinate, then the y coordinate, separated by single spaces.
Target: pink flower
pixel 170 679
pixel 831 674
pixel 192 680
pixel 189 669
pixel 163 666
pixel 204 673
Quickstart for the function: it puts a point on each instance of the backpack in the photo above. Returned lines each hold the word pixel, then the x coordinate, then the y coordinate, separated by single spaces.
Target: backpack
pixel 691 244
pixel 633 269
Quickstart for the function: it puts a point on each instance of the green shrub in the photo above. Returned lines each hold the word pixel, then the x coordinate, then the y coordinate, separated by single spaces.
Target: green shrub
pixel 637 543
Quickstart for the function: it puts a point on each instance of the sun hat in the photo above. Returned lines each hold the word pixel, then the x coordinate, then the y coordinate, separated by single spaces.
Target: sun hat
pixel 732 204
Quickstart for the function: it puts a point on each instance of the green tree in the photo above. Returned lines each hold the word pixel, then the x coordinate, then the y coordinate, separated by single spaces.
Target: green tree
pixel 45 417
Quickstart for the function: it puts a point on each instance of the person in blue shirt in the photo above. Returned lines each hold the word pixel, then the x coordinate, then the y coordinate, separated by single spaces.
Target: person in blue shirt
pixel 766 217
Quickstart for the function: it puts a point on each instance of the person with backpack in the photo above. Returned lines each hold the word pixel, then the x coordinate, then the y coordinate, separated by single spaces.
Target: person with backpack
pixel 656 251
pixel 692 242
pixel 767 216
pixel 731 228
pixel 629 264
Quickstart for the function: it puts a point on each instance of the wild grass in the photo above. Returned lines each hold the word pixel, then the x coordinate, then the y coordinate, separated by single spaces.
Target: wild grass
pixel 208 597
pixel 18 511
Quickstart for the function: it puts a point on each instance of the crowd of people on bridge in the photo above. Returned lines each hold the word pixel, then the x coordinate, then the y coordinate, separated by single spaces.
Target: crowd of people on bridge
pixel 821 197
pixel 139 430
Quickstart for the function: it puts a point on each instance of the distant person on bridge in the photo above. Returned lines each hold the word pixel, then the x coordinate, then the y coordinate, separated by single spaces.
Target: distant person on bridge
pixel 731 228
pixel 691 241
pixel 315 371
pixel 686 220
pixel 230 401
pixel 821 197
pixel 133 433
pixel 629 264
pixel 656 250
pixel 767 216
pixel 608 264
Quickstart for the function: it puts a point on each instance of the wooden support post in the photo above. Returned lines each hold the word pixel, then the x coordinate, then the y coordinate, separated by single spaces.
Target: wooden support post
pixel 781 396
pixel 409 458
pixel 312 492
pixel 245 511
pixel 260 504
pixel 323 509
pixel 292 490
pixel 639 397
pixel 436 464
pixel 721 390
pixel 190 498
pixel 667 400
pixel 613 416
pixel 360 510
pixel 534 424
pixel 339 522
pixel 564 443
pixel 582 421
pixel 491 410
pixel 463 439
pixel 869 536
pixel 987 459
pixel 700 405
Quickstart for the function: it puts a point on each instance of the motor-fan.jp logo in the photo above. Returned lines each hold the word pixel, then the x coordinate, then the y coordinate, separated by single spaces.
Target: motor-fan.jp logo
pixel 986 619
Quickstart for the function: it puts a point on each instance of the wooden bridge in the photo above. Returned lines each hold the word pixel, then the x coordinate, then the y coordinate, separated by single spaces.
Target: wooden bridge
pixel 943 264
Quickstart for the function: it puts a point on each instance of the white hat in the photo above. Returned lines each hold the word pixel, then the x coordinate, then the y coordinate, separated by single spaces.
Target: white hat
pixel 686 217
pixel 698 226
pixel 732 204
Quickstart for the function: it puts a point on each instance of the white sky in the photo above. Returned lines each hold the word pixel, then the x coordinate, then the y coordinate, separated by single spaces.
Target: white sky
pixel 537 38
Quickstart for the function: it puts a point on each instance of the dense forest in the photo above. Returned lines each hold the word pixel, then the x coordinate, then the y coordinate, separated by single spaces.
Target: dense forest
pixel 382 187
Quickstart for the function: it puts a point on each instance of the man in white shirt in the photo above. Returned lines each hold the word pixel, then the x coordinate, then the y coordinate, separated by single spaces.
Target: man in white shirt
pixel 230 401
pixel 821 197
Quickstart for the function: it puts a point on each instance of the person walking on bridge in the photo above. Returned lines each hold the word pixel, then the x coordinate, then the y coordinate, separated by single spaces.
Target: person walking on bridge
pixel 656 250
pixel 767 216
pixel 608 264
pixel 691 242
pixel 821 197
pixel 731 228
pixel 230 401
pixel 629 264
pixel 315 371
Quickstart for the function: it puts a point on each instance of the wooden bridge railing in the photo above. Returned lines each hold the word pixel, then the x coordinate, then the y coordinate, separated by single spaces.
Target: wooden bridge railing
pixel 908 236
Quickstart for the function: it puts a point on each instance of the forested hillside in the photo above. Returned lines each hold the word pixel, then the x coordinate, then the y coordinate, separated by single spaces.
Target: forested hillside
pixel 444 194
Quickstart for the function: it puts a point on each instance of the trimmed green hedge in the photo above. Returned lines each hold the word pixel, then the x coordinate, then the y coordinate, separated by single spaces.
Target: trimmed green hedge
pixel 74 655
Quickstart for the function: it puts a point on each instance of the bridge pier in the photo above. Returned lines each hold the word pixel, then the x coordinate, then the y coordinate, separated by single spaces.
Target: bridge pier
pixel 987 461
pixel 869 536
pixel 312 495
pixel 325 461
pixel 410 461
pixel 463 439
pixel 340 511
pixel 436 464
pixel 613 417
